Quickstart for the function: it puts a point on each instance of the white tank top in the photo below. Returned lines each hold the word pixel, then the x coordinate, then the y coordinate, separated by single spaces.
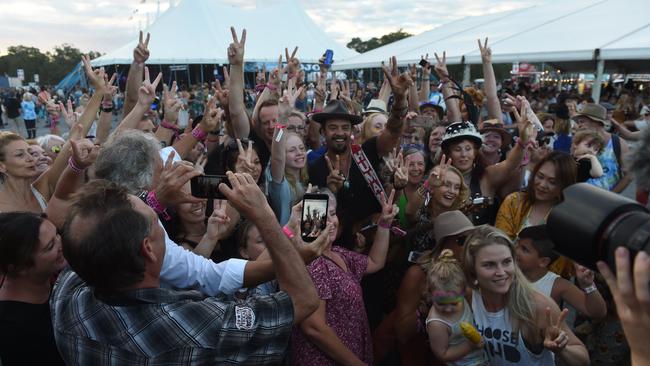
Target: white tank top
pixel 545 284
pixel 501 346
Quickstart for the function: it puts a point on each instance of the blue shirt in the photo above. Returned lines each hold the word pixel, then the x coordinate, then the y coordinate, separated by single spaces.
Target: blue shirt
pixel 28 110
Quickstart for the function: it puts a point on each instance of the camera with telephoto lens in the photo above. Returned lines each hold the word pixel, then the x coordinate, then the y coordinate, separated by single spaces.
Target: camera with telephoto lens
pixel 592 222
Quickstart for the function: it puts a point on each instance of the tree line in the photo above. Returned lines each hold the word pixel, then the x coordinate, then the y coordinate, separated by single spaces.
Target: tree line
pixel 50 66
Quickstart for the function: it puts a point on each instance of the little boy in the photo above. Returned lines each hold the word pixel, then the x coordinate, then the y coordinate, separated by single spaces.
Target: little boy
pixel 585 147
pixel 535 253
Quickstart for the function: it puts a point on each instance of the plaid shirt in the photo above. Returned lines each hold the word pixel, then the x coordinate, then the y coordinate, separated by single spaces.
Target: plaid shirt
pixel 159 326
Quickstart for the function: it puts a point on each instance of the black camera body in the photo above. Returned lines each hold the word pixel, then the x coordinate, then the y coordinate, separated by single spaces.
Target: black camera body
pixel 591 223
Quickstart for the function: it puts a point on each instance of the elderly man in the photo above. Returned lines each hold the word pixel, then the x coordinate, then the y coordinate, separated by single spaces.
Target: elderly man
pixel 131 159
pixel 111 309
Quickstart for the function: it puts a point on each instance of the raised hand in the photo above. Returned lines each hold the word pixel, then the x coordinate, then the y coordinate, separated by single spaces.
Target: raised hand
pixel 441 66
pixel 95 77
pixel 173 177
pixel 171 103
pixel 631 294
pixel 426 69
pixel 261 75
pixel 335 179
pixel 68 113
pixel 141 52
pixel 388 209
pixel 245 196
pixel 320 89
pixel 212 117
pixel 399 83
pixel 555 339
pixel 147 92
pixel 524 124
pixel 246 157
pixel 217 221
pixel 292 93
pixel 236 48
pixel 334 89
pixel 439 172
pixel 584 276
pixel 391 161
pixel 220 94
pixel 486 52
pixel 84 153
pixel 108 89
pixel 400 179
pixel 293 64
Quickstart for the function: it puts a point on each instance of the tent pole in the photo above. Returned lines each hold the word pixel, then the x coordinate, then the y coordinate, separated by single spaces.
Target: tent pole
pixel 595 90
pixel 466 75
pixel 201 74
pixel 189 80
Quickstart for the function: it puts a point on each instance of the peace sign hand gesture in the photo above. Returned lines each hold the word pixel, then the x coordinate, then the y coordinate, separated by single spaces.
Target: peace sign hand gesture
pixel 246 157
pixel 524 125
pixel 441 66
pixel 426 69
pixel 95 77
pixel 236 48
pixel 400 180
pixel 147 92
pixel 486 52
pixel 171 103
pixel 217 221
pixel 293 64
pixel 68 113
pixel 388 209
pixel 439 172
pixel 399 83
pixel 141 52
pixel 555 339
pixel 335 179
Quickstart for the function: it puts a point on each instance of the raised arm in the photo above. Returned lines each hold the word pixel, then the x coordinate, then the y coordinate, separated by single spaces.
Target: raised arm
pixel 290 270
pixel 377 255
pixel 146 96
pixel 591 304
pixel 390 137
pixel 171 106
pixel 413 99
pixel 451 101
pixel 237 108
pixel 136 72
pixel 278 154
pixel 425 85
pixel 490 82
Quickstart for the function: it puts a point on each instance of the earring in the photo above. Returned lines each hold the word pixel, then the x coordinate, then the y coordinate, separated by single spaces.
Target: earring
pixel 475 282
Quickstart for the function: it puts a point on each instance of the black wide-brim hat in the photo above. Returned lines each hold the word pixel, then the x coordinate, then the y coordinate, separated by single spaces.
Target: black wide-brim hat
pixel 336 110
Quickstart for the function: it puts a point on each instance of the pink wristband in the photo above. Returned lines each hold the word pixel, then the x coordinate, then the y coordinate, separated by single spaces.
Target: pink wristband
pixel 152 201
pixel 199 134
pixel 74 166
pixel 287 232
pixel 384 225
pixel 271 86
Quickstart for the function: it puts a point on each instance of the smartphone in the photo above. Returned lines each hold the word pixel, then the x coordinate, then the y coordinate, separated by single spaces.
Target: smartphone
pixel 207 186
pixel 423 63
pixel 329 58
pixel 154 105
pixel 313 219
pixel 424 121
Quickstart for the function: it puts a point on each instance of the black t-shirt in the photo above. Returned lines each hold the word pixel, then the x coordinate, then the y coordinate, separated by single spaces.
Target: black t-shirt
pixel 13 107
pixel 357 201
pixel 26 335
pixel 262 150
pixel 584 168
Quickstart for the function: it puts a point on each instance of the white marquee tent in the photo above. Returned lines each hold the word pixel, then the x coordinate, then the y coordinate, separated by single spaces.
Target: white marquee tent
pixel 576 35
pixel 198 32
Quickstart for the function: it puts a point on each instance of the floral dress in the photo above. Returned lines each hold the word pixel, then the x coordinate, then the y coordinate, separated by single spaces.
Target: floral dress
pixel 344 309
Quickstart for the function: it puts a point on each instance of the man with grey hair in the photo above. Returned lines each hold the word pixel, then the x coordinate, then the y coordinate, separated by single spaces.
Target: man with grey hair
pixel 131 158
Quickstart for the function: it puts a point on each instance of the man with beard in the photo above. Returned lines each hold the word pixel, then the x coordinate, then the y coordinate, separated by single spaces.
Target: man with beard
pixel 338 171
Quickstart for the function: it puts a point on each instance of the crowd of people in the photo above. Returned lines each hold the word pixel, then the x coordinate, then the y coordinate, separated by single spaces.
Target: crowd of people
pixel 438 199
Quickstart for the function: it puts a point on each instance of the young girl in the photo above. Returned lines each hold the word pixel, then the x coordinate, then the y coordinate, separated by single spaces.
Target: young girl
pixel 447 285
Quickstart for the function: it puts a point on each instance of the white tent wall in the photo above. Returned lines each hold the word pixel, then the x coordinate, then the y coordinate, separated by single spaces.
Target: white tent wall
pixel 198 32
pixel 564 33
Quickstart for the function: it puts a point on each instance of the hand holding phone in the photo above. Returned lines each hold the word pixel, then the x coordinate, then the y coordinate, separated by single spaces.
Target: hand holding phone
pixel 207 186
pixel 313 219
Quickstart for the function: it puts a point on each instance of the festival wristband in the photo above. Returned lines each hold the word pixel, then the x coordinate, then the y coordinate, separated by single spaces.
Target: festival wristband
pixel 199 134
pixel 590 289
pixel 152 201
pixel 278 137
pixel 287 232
pixel 74 167
pixel 384 225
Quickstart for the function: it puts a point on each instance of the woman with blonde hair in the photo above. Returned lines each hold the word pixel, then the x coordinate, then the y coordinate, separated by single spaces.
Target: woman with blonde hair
pixel 519 325
pixel 372 126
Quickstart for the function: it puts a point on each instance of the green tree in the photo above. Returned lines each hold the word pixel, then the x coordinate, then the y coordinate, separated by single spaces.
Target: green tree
pixel 51 66
pixel 363 46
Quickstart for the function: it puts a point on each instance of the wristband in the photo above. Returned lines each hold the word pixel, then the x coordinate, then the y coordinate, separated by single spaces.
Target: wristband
pixel 169 126
pixel 152 201
pixel 271 86
pixel 287 232
pixel 591 288
pixel 384 225
pixel 199 134
pixel 74 167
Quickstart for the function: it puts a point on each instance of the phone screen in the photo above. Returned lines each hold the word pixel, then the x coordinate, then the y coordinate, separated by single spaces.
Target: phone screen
pixel 207 186
pixel 314 216
pixel 329 55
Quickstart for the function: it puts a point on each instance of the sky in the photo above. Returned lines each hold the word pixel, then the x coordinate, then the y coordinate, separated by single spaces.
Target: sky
pixel 103 25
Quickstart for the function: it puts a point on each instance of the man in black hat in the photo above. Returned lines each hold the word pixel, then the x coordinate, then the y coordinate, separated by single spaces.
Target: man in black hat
pixel 337 169
pixel 614 178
